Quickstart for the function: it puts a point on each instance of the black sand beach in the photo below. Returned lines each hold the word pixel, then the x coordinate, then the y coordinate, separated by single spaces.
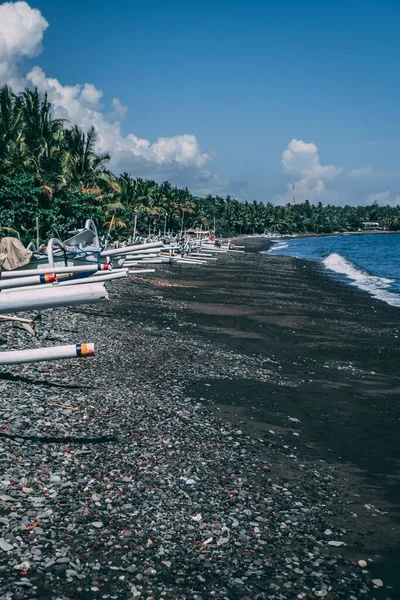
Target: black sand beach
pixel 269 384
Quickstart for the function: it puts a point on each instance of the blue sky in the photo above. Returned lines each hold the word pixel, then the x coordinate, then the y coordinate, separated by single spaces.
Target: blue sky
pixel 244 78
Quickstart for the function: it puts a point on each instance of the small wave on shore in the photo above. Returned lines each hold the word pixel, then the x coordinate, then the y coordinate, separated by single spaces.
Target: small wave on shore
pixel 376 286
pixel 277 246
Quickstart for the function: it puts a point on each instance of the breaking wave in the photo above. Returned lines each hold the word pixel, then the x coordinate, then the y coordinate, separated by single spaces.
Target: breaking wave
pixel 376 286
pixel 277 246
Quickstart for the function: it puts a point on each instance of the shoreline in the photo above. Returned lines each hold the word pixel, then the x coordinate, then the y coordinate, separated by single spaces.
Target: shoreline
pixel 310 234
pixel 209 374
pixel 339 263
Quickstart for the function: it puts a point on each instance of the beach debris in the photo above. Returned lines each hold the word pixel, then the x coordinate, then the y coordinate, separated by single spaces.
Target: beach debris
pixel 336 543
pixel 24 566
pixel 206 543
pixel 197 518
pixel 377 583
pixel 28 328
pixel 190 482
pixel 16 319
pixel 362 564
pixel 222 541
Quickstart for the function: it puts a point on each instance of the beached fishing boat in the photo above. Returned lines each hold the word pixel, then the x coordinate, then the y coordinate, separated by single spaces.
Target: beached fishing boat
pixel 82 257
pixel 81 248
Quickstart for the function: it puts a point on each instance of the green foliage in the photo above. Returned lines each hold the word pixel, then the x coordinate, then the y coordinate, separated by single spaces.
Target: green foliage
pixel 68 211
pixel 20 203
pixel 51 170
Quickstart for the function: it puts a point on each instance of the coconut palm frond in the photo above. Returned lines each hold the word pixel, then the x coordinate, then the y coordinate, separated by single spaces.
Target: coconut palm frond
pixel 9 230
pixel 117 224
pixel 113 206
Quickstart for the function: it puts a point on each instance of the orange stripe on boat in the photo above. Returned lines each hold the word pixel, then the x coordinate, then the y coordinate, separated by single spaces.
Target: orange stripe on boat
pixel 87 349
pixel 50 278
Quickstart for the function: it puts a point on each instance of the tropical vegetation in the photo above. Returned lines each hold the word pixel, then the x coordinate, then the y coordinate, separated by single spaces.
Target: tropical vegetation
pixel 51 171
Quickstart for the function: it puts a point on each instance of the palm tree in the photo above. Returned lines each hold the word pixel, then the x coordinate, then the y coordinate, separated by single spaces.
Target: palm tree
pixel 43 138
pixel 10 122
pixel 182 204
pixel 85 166
pixel 43 159
pixel 12 158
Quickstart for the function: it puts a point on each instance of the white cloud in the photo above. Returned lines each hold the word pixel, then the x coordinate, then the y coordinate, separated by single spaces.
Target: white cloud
pixel 91 95
pixel 21 33
pixel 383 198
pixel 299 156
pixel 301 160
pixel 128 151
pixel 362 172
pixel 118 109
pixel 182 148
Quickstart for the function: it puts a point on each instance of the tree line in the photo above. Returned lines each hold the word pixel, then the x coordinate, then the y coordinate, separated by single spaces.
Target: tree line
pixel 50 170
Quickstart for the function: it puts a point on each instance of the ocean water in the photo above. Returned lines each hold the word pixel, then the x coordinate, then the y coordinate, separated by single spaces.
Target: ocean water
pixel 370 262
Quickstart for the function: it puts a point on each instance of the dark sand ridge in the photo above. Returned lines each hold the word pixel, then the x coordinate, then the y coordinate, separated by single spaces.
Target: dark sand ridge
pixel 273 348
pixel 338 351
pixel 337 359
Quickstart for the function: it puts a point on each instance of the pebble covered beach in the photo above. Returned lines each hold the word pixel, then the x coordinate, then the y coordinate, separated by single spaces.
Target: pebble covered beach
pixel 150 471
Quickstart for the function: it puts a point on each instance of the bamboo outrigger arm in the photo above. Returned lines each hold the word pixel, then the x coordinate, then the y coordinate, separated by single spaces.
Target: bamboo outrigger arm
pixel 68 281
pixel 56 270
pixel 53 243
pixel 32 247
pixel 17 357
pixel 36 280
pixel 129 249
pixel 15 301
pixel 90 224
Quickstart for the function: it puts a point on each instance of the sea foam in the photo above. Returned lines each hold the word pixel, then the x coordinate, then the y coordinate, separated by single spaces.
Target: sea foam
pixel 277 246
pixel 376 286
